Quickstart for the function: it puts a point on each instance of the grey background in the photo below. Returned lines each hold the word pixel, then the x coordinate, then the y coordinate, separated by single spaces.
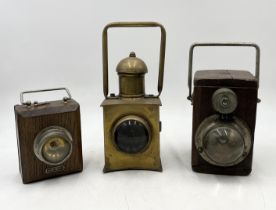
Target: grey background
pixel 54 43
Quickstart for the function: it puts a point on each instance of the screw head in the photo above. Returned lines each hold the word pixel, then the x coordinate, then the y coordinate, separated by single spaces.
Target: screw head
pixel 28 103
pixel 65 99
pixel 200 149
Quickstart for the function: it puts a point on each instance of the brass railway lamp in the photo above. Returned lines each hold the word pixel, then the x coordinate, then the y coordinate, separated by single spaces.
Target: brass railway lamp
pixel 131 118
pixel 224 116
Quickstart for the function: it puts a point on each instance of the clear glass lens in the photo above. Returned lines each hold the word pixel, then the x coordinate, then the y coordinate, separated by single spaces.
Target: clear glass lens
pixel 223 145
pixel 55 149
pixel 53 145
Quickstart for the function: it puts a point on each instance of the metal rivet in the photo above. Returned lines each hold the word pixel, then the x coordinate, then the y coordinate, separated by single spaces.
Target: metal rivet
pixel 200 149
pixel 28 103
pixel 65 99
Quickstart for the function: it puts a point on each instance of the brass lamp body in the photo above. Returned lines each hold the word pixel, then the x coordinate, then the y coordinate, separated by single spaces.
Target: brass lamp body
pixel 131 119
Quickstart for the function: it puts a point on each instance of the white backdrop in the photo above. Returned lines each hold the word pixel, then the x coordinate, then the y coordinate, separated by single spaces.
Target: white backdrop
pixel 53 43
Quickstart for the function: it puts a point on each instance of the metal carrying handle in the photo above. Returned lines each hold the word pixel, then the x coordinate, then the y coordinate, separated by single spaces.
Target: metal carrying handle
pixel 133 24
pixel 257 64
pixel 43 90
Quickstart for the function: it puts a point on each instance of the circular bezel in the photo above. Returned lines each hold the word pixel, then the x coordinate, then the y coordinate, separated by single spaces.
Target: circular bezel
pixel 42 138
pixel 214 122
pixel 224 101
pixel 131 117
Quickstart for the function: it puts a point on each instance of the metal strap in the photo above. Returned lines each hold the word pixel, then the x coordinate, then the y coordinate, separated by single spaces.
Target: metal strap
pixel 257 64
pixel 43 90
pixel 133 24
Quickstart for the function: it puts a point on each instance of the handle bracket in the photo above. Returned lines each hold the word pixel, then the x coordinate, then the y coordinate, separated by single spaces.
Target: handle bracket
pixel 133 24
pixel 43 90
pixel 257 62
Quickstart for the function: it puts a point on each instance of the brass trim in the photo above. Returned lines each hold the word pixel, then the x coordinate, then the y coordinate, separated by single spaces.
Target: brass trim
pixel 133 24
pixel 190 69
pixel 42 138
pixel 137 118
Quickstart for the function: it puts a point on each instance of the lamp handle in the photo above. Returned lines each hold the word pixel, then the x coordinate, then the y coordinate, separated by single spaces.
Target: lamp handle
pixel 257 62
pixel 133 24
pixel 43 90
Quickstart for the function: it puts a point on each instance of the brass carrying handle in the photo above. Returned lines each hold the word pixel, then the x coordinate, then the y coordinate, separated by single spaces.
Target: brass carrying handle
pixel 257 64
pixel 43 90
pixel 133 24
